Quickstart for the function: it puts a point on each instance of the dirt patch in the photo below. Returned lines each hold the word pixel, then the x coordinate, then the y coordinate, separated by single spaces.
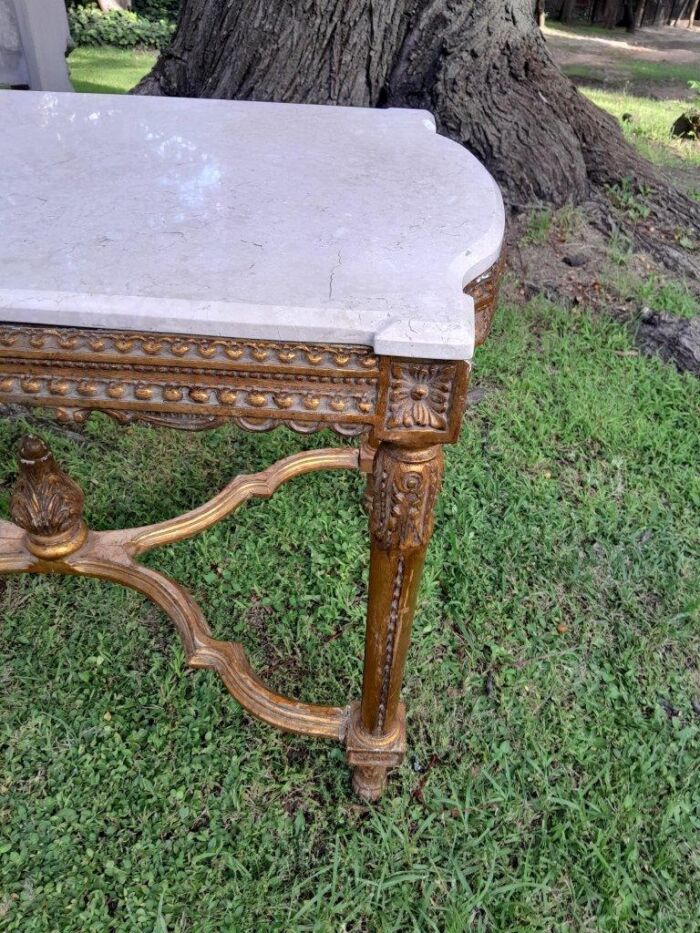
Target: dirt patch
pixel 571 266
pixel 610 60
pixel 575 264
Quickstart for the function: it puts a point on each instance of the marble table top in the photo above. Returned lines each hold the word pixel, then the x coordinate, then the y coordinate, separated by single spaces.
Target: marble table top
pixel 237 219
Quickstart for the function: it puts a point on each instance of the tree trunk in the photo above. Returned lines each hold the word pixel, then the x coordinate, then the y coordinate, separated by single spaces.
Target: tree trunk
pixel 480 66
pixel 693 12
pixel 568 11
pixel 677 11
pixel 639 13
pixel 610 13
pixel 662 13
pixel 540 13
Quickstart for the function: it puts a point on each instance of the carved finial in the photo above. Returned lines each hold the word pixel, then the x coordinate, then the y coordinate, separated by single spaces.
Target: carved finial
pixel 46 503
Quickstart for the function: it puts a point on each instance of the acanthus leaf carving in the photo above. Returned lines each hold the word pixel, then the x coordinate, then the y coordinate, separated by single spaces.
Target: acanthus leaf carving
pixel 46 503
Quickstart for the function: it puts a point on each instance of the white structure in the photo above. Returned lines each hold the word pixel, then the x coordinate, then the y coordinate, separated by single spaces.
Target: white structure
pixel 240 219
pixel 34 37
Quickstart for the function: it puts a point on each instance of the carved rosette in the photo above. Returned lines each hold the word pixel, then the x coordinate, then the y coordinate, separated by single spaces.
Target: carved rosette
pixel 406 485
pixel 46 503
pixel 419 395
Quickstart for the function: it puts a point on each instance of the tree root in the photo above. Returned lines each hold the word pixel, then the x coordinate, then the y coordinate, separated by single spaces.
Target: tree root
pixel 675 340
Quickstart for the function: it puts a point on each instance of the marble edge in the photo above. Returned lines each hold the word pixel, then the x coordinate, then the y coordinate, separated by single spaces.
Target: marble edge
pixel 128 100
pixel 389 335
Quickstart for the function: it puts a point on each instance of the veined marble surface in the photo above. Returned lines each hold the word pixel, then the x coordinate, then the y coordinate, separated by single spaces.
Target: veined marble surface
pixel 237 219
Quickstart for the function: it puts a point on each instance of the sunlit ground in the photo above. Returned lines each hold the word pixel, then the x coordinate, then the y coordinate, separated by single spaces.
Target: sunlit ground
pixel 107 70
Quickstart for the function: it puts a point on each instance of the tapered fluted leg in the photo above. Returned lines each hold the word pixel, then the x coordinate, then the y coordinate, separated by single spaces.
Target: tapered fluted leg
pixel 405 486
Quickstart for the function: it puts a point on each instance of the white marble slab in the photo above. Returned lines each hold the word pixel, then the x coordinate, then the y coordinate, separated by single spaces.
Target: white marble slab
pixel 238 219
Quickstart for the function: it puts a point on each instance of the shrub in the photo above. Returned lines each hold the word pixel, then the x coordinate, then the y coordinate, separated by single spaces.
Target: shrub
pixel 120 28
pixel 150 9
pixel 157 9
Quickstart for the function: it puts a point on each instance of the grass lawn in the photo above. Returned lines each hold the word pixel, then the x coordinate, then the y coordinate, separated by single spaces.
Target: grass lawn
pixel 648 125
pixel 553 686
pixel 632 71
pixel 107 70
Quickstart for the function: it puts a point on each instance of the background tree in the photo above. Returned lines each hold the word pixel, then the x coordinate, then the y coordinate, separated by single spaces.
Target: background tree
pixel 480 66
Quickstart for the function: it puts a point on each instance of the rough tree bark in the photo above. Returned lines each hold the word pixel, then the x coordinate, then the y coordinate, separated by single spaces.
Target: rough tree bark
pixel 568 11
pixel 480 66
pixel 639 13
pixel 679 11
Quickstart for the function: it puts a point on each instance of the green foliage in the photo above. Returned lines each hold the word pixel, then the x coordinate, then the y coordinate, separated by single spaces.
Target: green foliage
pixel 671 296
pixel 630 198
pixel 151 9
pixel 690 118
pixel 544 223
pixel 118 28
pixel 635 70
pixel 647 125
pixel 565 573
pixel 157 9
pixel 620 248
pixel 647 118
pixel 539 225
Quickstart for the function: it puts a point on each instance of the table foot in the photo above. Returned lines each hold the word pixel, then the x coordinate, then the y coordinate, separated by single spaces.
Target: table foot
pixel 372 756
pixel 369 783
pixel 47 503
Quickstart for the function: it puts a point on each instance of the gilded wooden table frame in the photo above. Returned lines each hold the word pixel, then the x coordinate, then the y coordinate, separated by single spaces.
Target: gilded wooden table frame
pixel 405 409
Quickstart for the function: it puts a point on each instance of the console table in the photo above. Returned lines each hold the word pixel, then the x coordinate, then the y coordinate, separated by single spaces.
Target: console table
pixel 193 262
